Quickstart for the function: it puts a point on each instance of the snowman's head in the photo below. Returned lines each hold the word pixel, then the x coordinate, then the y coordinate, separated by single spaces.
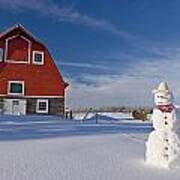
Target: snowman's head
pixel 162 95
pixel 163 98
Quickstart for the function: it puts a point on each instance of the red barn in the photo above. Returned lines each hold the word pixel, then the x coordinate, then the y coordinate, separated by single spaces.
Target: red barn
pixel 30 82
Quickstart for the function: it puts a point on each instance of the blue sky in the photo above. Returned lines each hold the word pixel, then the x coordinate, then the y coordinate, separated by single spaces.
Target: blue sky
pixel 111 52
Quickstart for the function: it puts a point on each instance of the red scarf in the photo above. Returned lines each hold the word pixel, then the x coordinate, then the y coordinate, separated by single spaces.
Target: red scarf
pixel 165 108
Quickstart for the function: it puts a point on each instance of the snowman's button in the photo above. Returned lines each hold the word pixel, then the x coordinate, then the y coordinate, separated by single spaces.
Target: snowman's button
pixel 166 156
pixel 166 140
pixel 166 123
pixel 165 117
pixel 166 148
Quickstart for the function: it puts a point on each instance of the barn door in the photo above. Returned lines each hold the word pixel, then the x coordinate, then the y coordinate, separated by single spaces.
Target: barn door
pixel 15 106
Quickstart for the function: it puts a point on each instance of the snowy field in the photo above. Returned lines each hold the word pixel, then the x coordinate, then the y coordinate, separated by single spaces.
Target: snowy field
pixel 49 148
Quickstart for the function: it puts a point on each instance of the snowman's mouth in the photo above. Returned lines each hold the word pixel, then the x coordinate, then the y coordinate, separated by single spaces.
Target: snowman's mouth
pixel 160 103
pixel 163 103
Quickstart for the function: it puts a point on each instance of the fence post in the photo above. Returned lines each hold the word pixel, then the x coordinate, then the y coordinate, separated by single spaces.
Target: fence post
pixel 1 106
pixel 96 117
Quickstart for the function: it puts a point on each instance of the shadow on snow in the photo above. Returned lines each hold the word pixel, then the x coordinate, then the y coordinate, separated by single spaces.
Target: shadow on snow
pixel 36 127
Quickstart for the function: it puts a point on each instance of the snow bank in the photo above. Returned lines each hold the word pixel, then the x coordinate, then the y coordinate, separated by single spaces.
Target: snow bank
pixel 115 116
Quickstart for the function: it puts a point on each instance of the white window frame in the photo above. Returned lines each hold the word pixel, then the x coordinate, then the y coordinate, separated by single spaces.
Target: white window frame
pixel 1 51
pixel 16 82
pixel 47 106
pixel 38 52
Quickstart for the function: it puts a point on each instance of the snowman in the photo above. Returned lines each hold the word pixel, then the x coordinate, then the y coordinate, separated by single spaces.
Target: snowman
pixel 163 142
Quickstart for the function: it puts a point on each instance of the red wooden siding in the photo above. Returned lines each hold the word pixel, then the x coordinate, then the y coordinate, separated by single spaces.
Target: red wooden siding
pixel 39 80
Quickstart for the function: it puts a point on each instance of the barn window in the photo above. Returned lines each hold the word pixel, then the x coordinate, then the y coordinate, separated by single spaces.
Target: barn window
pixel 15 102
pixel 38 57
pixel 1 54
pixel 17 49
pixel 42 106
pixel 16 87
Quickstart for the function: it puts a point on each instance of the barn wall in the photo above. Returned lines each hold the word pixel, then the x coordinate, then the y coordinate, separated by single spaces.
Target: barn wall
pixel 56 106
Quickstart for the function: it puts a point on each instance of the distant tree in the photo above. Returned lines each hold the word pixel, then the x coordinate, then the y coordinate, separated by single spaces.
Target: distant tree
pixel 139 114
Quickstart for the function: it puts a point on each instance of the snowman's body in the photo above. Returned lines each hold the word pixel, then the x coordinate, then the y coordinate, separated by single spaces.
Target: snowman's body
pixel 164 120
pixel 162 148
pixel 163 142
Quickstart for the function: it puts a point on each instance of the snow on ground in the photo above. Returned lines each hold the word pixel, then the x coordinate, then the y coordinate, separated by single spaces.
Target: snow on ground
pixel 49 148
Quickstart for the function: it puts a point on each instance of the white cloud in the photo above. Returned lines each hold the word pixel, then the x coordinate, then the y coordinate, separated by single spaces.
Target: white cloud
pixel 132 88
pixel 64 14
pixel 109 91
pixel 83 65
